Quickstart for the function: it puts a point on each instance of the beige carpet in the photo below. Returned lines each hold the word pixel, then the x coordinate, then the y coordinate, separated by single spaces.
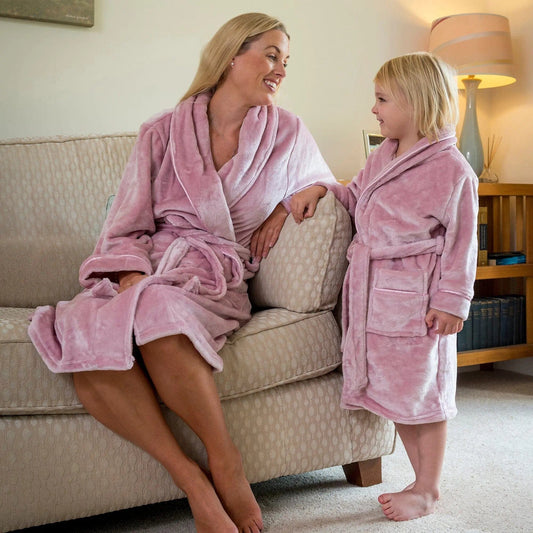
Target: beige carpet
pixel 487 481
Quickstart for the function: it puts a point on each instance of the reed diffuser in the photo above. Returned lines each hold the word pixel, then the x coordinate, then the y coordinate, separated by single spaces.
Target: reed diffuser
pixel 489 175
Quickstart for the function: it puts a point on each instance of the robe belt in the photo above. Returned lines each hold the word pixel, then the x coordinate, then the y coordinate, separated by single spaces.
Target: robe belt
pixel 217 287
pixel 355 298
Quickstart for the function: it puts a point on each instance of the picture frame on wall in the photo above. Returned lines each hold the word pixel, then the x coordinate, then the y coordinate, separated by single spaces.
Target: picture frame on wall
pixel 371 141
pixel 75 12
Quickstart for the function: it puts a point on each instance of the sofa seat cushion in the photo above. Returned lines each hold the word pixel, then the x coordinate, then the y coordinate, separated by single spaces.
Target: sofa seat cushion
pixel 275 347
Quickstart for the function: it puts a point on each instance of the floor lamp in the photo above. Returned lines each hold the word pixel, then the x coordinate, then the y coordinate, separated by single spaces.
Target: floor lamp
pixel 478 45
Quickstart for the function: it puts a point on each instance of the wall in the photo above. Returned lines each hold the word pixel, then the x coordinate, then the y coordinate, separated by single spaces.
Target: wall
pixel 140 57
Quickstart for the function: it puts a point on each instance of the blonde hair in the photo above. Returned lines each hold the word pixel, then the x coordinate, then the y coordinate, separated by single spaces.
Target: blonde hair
pixel 232 39
pixel 426 84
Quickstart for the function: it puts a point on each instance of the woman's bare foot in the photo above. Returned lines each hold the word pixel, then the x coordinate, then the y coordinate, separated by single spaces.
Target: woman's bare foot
pixel 408 504
pixel 207 510
pixel 236 495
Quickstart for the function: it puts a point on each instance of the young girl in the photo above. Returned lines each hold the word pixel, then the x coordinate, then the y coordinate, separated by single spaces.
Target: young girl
pixel 412 268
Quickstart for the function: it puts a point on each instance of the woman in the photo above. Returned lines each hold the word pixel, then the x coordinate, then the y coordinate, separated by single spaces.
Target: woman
pixel 170 267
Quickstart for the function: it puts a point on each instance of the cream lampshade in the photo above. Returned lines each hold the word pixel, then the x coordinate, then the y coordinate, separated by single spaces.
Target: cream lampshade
pixel 478 45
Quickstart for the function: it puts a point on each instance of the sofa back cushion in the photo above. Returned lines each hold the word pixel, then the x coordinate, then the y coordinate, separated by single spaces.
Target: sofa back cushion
pixel 53 199
pixel 305 269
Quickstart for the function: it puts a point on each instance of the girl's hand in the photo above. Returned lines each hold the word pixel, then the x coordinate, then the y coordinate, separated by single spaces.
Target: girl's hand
pixel 266 235
pixel 127 279
pixel 443 323
pixel 303 203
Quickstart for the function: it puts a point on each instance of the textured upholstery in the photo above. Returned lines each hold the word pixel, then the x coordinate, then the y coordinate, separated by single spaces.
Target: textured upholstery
pixel 281 382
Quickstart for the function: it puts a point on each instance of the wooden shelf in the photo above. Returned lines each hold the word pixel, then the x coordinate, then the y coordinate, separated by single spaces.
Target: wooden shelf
pixel 492 355
pixel 510 227
pixel 504 271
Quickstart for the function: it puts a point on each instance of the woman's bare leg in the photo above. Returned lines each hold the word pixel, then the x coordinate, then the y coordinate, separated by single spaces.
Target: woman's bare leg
pixel 425 445
pixel 124 401
pixel 185 383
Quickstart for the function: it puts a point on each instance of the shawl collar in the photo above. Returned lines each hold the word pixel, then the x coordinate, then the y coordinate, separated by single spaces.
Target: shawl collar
pixel 193 162
pixel 383 167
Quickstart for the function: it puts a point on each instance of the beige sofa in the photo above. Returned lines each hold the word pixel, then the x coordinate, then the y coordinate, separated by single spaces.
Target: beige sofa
pixel 280 387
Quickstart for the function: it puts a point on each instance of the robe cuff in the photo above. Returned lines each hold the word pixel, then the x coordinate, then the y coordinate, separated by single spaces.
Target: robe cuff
pixel 104 266
pixel 451 303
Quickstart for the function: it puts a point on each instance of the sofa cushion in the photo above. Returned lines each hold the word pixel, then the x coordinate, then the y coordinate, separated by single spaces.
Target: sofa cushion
pixel 54 192
pixel 275 347
pixel 304 271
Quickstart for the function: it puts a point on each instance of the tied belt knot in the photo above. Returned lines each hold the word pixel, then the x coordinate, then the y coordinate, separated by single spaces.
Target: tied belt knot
pixel 355 297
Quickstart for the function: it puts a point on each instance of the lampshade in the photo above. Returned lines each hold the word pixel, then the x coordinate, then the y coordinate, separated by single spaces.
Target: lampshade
pixel 476 44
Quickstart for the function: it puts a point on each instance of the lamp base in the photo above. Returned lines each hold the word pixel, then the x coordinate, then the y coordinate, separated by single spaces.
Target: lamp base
pixel 470 140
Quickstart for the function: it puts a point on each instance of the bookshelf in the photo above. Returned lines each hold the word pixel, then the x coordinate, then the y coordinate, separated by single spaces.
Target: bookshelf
pixel 510 227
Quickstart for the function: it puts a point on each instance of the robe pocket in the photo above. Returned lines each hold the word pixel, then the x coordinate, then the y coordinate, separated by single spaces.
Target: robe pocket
pixel 398 303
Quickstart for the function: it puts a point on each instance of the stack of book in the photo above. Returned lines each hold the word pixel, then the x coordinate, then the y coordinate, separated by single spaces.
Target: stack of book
pixel 482 237
pixel 497 321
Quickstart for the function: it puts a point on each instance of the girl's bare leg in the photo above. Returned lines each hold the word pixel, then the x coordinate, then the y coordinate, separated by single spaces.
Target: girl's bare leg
pixel 185 383
pixel 425 445
pixel 124 401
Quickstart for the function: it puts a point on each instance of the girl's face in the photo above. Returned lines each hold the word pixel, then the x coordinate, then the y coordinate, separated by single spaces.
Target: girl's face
pixel 396 119
pixel 258 72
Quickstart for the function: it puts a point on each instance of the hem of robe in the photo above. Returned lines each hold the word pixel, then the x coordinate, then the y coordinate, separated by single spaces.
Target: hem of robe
pixel 200 344
pixel 364 402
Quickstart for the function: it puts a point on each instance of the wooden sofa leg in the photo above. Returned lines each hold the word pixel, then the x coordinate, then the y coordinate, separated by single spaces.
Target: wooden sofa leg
pixel 364 473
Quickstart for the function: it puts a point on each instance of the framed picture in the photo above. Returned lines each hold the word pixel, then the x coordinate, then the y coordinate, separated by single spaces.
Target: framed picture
pixel 76 12
pixel 371 140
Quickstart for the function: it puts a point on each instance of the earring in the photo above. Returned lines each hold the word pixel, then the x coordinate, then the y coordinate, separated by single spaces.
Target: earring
pixel 232 64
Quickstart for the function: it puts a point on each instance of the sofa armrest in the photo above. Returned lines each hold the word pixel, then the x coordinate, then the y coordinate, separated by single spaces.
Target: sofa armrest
pixel 305 269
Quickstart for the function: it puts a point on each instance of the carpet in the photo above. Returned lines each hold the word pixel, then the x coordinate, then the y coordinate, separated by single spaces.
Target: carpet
pixel 487 482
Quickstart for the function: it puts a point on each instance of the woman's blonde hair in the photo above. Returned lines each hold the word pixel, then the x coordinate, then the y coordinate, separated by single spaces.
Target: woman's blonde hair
pixel 232 39
pixel 426 84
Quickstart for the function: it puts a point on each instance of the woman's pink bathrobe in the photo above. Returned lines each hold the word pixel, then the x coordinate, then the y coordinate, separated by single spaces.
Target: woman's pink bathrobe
pixel 415 249
pixel 189 227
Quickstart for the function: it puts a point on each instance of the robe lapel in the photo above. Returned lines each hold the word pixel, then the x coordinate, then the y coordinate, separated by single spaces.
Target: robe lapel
pixel 194 168
pixel 385 167
pixel 256 142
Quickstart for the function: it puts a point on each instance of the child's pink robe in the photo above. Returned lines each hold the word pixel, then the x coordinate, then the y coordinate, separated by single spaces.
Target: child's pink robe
pixel 189 227
pixel 415 249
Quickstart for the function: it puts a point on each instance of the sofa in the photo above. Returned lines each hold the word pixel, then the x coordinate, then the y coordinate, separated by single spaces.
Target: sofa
pixel 281 383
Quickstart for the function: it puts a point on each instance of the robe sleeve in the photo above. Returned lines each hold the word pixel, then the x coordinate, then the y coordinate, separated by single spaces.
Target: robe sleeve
pixel 459 256
pixel 125 241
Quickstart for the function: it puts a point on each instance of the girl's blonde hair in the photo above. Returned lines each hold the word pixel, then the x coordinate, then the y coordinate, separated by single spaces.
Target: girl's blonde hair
pixel 232 39
pixel 426 84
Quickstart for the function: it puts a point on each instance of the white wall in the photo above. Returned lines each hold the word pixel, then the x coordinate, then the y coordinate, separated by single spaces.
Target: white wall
pixel 140 57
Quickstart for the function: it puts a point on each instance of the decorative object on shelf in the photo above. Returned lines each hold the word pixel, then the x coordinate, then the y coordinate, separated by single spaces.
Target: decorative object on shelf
pixel 478 45
pixel 372 140
pixel 489 175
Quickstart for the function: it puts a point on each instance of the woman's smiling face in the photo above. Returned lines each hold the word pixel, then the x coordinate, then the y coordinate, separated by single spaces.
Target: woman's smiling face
pixel 258 71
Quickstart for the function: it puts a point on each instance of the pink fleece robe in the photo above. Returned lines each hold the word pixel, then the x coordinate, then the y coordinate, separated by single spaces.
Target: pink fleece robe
pixel 188 227
pixel 415 249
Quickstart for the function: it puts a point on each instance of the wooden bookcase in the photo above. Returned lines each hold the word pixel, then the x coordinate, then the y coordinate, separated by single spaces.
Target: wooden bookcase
pixel 510 228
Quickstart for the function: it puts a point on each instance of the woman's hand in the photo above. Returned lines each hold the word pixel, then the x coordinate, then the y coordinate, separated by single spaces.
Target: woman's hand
pixel 443 323
pixel 266 235
pixel 127 279
pixel 303 203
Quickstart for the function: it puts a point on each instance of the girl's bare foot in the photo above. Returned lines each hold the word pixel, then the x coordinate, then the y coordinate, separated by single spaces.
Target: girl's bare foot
pixel 207 510
pixel 408 504
pixel 236 495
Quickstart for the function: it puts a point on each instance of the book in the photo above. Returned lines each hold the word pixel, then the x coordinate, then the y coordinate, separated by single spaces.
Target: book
pixel 505 321
pixel 475 307
pixel 508 258
pixel 464 337
pixel 482 237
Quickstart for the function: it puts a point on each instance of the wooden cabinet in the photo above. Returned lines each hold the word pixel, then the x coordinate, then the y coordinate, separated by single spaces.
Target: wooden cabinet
pixel 510 228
